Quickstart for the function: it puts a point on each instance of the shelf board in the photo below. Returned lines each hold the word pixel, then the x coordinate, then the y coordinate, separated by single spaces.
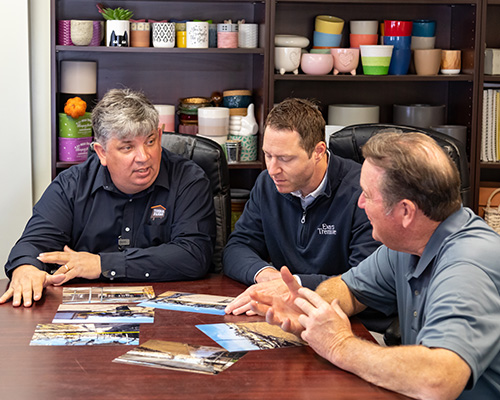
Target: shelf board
pixel 378 78
pixel 398 2
pixel 174 50
pixel 238 165
pixel 489 165
pixel 491 78
pixel 246 165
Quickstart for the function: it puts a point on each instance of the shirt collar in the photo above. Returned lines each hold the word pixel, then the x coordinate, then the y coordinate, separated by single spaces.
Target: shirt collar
pixel 103 178
pixel 450 225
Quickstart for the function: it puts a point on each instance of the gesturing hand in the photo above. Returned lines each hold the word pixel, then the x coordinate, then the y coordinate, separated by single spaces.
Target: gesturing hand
pixel 242 303
pixel 75 264
pixel 279 308
pixel 325 325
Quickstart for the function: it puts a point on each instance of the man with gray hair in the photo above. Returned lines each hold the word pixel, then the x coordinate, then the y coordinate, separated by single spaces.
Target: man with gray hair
pixel 132 211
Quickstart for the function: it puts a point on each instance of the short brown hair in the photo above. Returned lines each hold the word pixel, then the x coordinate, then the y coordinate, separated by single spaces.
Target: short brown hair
pixel 302 116
pixel 416 168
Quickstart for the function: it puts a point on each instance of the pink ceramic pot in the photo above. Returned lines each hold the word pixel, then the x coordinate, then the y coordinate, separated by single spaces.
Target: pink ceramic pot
pixel 316 64
pixel 345 60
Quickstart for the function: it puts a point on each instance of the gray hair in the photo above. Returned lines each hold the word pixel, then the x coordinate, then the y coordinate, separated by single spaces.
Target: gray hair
pixel 123 114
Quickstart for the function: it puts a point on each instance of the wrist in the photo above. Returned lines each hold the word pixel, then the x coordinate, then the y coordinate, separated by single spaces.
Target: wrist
pixel 267 274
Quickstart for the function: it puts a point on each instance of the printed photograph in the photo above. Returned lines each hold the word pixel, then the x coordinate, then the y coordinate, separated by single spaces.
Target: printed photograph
pixel 103 313
pixel 121 294
pixel 250 336
pixel 181 357
pixel 85 335
pixel 192 302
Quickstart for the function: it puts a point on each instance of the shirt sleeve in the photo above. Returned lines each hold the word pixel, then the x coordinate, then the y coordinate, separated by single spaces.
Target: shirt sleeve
pixel 372 282
pixel 189 252
pixel 47 228
pixel 245 253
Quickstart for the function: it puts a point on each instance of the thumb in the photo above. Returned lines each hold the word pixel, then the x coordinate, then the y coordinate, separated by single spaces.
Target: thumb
pixel 68 250
pixel 54 279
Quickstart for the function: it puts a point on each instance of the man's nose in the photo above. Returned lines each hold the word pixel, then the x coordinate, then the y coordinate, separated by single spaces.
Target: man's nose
pixel 272 166
pixel 361 200
pixel 141 153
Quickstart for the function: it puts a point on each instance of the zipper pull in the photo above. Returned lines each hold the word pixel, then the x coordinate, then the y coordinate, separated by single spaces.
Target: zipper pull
pixel 303 219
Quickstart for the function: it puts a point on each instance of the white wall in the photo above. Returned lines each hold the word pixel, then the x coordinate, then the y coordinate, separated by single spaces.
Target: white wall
pixel 24 115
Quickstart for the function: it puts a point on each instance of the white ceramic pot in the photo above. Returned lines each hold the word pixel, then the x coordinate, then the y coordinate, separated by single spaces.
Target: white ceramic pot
pixel 287 59
pixel 196 35
pixel 117 33
pixel 163 34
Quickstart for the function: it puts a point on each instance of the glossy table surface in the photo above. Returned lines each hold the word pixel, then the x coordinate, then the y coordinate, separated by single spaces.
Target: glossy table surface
pixel 87 372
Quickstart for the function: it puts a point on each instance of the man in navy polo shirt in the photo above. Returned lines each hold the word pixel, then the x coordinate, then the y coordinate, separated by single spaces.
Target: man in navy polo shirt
pixel 132 212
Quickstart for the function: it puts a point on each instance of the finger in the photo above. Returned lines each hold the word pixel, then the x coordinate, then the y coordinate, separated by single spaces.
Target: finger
pixel 259 308
pixel 239 301
pixel 68 250
pixel 304 305
pixel 62 269
pixel 289 280
pixel 54 257
pixel 313 297
pixel 27 294
pixel 250 313
pixel 243 309
pixel 55 279
pixel 261 297
pixel 7 295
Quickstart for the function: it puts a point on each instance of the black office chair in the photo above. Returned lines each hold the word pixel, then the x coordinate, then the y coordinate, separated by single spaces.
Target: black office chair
pixel 348 141
pixel 212 159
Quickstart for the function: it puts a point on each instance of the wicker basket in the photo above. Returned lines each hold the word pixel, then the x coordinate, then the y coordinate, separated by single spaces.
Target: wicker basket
pixel 492 214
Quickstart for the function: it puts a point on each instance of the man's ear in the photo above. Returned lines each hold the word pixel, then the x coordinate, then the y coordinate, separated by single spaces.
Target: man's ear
pixel 319 150
pixel 408 212
pixel 101 153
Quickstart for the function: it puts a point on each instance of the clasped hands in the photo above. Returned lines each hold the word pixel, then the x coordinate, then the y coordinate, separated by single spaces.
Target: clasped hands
pixel 297 310
pixel 28 282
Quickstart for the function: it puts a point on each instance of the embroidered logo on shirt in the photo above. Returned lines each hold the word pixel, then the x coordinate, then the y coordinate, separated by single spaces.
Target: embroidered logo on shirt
pixel 326 229
pixel 157 212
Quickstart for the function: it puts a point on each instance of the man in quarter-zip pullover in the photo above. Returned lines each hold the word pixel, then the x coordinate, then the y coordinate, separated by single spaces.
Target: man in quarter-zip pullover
pixel 302 212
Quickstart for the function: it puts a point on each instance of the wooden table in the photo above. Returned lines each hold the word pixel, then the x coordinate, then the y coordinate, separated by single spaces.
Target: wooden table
pixel 87 372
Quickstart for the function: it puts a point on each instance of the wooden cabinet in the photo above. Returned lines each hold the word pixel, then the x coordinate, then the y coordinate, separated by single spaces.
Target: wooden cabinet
pixel 166 75
pixel 457 27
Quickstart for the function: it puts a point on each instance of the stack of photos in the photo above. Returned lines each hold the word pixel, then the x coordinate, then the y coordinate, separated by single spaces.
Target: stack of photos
pixel 103 314
pixel 120 294
pixel 201 303
pixel 250 336
pixel 85 334
pixel 181 357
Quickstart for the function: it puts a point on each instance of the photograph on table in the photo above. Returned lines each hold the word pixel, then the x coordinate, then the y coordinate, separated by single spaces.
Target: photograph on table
pixel 192 302
pixel 119 294
pixel 102 313
pixel 250 336
pixel 85 334
pixel 180 356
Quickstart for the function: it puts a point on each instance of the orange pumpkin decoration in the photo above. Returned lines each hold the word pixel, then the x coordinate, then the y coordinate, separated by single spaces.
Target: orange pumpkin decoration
pixel 75 107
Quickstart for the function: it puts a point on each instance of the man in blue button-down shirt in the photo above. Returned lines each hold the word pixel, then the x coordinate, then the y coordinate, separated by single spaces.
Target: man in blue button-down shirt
pixel 438 267
pixel 133 211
